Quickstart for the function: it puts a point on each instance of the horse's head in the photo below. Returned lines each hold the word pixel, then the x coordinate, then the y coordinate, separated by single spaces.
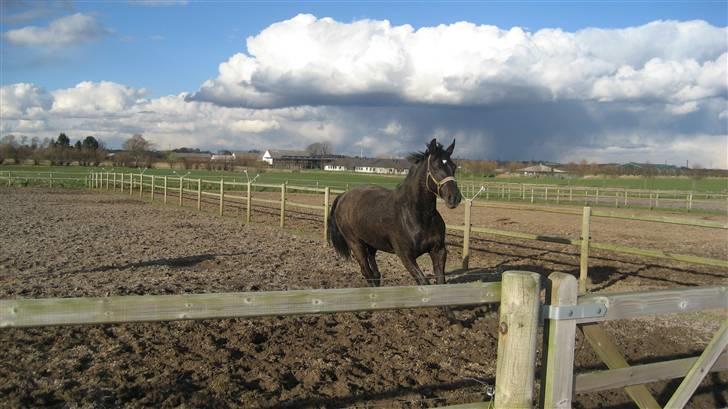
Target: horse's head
pixel 441 173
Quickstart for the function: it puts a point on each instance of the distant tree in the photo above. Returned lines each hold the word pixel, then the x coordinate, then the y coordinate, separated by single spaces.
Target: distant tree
pixel 90 143
pixel 138 148
pixel 8 147
pixel 63 140
pixel 319 149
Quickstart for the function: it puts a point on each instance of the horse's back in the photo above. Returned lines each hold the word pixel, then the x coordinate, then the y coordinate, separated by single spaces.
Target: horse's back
pixel 366 213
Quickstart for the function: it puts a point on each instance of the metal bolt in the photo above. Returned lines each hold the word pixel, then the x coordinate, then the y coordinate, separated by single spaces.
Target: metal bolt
pixel 503 327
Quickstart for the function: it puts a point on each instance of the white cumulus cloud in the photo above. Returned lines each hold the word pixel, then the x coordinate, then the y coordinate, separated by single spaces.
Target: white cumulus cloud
pixel 64 31
pixel 95 98
pixel 312 61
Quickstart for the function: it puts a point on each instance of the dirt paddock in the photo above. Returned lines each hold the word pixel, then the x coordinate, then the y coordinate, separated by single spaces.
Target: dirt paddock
pixel 63 243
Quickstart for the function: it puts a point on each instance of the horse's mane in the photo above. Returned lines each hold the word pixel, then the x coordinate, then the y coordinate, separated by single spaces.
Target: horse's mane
pixel 416 157
pixel 419 156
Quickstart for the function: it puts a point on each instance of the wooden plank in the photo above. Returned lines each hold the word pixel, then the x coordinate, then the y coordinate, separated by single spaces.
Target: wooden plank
pixel 519 313
pixel 181 189
pixel 69 311
pixel 661 254
pixel 327 195
pixel 264 185
pixel 700 368
pixel 249 202
pixel 657 302
pixel 199 194
pixel 467 225
pixel 222 197
pixel 303 205
pixel 277 202
pixel 283 205
pixel 634 375
pixel 210 194
pixel 305 189
pixel 609 353
pixel 229 196
pixel 662 219
pixel 559 340
pixel 526 236
pixel 584 253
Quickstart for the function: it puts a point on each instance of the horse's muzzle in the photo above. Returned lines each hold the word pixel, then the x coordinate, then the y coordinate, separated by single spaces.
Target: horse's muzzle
pixel 453 199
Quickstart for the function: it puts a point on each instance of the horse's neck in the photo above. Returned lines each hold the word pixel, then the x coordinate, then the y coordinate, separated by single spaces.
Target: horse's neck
pixel 414 195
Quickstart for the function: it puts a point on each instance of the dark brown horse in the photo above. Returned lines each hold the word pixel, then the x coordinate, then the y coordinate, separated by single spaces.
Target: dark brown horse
pixel 403 221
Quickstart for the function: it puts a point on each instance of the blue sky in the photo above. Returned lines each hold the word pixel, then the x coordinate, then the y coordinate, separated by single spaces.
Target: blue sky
pixel 594 80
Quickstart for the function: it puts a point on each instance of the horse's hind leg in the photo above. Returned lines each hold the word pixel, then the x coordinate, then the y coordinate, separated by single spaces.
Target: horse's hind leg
pixel 361 255
pixel 372 258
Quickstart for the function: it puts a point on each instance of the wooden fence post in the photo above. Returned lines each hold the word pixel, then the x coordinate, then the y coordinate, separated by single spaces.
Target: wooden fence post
pixel 283 205
pixel 114 185
pixel 657 199
pixel 466 234
pixel 141 185
pixel 519 314
pixel 181 190
pixel 222 196
pixel 584 256
pixel 154 186
pixel 108 177
pixel 121 183
pixel 50 180
pixel 559 339
pixel 165 189
pixel 199 194
pixel 327 193
pixel 249 201
pixel 690 201
pixel 131 184
pixel 625 197
pixel 596 198
pixel 531 194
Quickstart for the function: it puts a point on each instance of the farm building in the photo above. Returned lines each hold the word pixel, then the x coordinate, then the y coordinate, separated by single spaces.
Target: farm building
pixel 295 159
pixel 541 170
pixel 369 165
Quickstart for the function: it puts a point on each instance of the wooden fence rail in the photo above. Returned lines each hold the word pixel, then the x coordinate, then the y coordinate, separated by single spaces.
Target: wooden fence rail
pixel 598 196
pixel 107 310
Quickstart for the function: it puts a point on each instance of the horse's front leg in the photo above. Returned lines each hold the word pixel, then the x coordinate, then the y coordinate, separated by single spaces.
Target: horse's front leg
pixel 438 255
pixel 410 263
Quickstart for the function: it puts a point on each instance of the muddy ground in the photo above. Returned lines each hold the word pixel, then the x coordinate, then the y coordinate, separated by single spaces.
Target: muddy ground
pixel 61 243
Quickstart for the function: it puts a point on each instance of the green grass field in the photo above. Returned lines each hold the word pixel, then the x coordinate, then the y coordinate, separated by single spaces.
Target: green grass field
pixel 342 179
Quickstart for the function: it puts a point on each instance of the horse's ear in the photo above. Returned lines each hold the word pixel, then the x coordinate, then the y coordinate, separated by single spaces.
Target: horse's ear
pixel 450 148
pixel 432 146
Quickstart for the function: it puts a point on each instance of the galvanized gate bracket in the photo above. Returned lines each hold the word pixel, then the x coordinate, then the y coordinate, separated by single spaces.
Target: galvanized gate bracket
pixel 573 312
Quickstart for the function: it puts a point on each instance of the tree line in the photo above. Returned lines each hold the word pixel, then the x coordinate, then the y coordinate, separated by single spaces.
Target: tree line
pixel 59 151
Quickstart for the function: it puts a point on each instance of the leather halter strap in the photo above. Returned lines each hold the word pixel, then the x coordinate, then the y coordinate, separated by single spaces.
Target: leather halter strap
pixel 438 183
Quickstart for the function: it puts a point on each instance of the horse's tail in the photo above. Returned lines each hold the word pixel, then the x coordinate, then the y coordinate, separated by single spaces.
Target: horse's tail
pixel 335 237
